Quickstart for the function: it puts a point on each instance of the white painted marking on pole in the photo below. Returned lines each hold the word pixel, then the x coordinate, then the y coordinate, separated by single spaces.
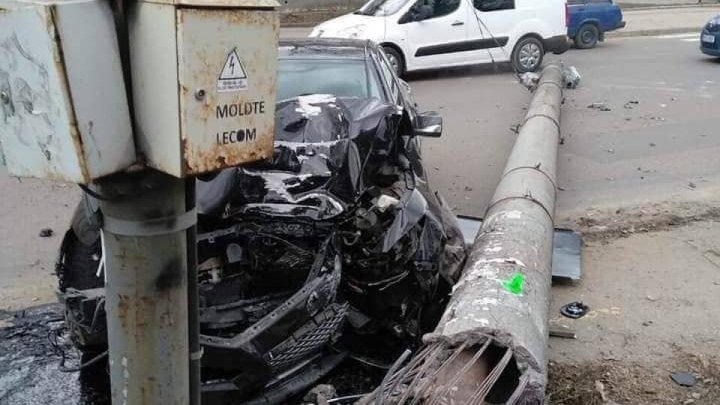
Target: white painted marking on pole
pixel 233 76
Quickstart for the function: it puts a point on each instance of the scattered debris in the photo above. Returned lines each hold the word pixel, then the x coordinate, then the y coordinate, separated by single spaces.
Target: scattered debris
pixel 610 178
pixel 468 188
pixel 611 150
pixel 46 233
pixel 571 77
pixel 631 104
pixel 562 332
pixel 692 185
pixel 684 379
pixel 647 323
pixel 515 128
pixel 574 310
pixel 599 106
pixel 663 105
pixel 320 394
pixel 652 144
pixel 600 388
pixel 651 298
pixel 530 80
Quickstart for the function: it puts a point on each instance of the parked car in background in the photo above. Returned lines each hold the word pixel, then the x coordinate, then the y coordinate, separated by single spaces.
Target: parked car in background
pixel 710 37
pixel 589 20
pixel 429 34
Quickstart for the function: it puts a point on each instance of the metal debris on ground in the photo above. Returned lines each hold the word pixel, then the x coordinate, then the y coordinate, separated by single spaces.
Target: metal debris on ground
pixel 562 332
pixel 631 104
pixel 571 77
pixel 599 106
pixel 574 310
pixel 530 80
pixel 684 379
pixel 45 233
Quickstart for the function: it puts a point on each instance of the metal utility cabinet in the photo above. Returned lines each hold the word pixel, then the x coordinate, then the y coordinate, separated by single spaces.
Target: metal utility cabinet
pixel 63 107
pixel 204 86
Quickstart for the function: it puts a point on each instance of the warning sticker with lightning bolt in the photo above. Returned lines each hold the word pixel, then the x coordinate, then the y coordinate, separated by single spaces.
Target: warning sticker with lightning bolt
pixel 233 76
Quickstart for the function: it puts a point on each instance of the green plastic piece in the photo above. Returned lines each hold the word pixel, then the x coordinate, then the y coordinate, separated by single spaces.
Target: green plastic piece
pixel 514 285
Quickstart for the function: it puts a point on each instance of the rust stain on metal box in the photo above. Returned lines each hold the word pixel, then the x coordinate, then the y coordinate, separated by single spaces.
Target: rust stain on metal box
pixel 227 86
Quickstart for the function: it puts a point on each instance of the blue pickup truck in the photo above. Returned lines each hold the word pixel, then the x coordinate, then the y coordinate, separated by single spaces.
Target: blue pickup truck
pixel 589 20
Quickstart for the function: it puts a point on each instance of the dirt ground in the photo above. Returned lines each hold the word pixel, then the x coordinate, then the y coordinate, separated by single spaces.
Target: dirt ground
pixel 651 276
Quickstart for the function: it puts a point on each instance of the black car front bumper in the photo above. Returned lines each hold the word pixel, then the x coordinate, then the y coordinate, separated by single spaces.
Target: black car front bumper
pixel 557 44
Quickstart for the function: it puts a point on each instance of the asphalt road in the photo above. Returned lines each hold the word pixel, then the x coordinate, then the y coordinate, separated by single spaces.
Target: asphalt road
pixel 664 147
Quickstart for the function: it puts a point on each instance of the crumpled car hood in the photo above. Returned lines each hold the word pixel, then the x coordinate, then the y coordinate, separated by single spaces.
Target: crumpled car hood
pixel 325 150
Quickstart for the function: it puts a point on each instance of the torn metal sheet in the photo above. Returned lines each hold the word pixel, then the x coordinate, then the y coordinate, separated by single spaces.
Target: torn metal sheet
pixel 567 247
pixel 567 251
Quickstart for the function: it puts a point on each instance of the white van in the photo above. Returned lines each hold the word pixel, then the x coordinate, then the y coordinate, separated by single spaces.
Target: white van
pixel 427 34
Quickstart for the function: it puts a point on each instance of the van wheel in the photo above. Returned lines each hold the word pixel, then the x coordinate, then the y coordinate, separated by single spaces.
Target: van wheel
pixel 528 55
pixel 396 60
pixel 587 37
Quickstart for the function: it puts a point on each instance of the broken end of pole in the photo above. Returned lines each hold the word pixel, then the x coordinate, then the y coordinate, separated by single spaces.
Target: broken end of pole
pixel 469 368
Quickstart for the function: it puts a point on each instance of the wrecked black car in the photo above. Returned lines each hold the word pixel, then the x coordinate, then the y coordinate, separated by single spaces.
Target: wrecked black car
pixel 334 247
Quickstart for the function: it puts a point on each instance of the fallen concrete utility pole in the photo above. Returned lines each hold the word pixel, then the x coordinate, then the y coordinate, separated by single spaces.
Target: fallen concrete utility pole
pixel 490 344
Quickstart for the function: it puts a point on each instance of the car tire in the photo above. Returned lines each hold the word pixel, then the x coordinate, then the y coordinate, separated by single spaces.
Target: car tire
pixel 528 55
pixel 587 36
pixel 396 60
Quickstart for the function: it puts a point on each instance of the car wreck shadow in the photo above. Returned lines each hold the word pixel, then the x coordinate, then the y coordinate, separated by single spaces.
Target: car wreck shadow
pixel 709 60
pixel 461 71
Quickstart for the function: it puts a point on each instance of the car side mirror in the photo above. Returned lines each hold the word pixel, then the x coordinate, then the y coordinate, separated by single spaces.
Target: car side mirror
pixel 428 124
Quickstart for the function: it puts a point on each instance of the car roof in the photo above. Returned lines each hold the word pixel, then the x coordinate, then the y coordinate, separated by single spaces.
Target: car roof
pixel 324 48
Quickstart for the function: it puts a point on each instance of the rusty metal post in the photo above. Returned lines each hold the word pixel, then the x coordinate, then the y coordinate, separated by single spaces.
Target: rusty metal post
pixel 504 291
pixel 145 243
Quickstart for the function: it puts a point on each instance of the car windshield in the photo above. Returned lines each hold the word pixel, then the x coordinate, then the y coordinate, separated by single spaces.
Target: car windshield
pixel 339 77
pixel 381 7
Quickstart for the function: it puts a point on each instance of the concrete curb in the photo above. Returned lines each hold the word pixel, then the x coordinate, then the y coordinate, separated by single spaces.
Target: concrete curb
pixel 649 33
pixel 641 7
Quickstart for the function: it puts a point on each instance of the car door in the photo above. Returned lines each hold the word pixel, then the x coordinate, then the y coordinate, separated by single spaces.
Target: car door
pixel 435 31
pixel 490 28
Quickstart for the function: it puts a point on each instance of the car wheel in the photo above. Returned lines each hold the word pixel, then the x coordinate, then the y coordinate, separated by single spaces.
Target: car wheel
pixel 587 37
pixel 396 60
pixel 528 55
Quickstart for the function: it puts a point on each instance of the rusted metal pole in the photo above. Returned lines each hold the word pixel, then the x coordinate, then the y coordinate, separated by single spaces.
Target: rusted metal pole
pixel 504 291
pixel 144 238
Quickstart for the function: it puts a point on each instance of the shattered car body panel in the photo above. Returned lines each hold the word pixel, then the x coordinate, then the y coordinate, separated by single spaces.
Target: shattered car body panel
pixel 338 225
